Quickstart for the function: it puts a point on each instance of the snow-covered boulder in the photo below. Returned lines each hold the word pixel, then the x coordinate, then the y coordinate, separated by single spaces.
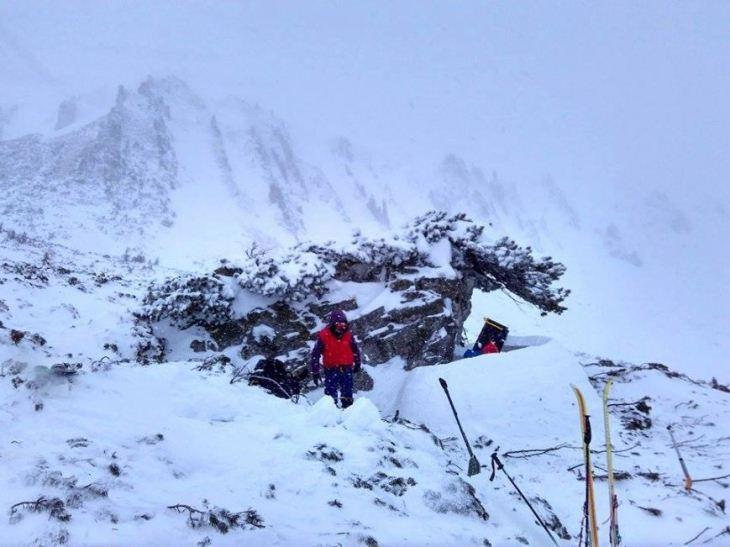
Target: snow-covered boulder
pixel 406 295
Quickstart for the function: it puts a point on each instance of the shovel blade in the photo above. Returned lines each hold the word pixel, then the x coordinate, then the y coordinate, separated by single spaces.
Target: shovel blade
pixel 474 466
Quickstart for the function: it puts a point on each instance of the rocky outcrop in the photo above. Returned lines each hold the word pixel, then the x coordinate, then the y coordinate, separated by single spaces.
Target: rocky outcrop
pixel 120 167
pixel 407 296
pixel 423 328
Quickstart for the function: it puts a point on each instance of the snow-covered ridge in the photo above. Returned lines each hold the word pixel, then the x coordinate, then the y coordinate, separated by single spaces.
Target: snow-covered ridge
pixel 165 165
pixel 110 176
pixel 159 161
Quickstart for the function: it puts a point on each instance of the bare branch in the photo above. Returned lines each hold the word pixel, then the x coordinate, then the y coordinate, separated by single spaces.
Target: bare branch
pixel 697 536
pixel 634 403
pixel 725 531
pixel 532 452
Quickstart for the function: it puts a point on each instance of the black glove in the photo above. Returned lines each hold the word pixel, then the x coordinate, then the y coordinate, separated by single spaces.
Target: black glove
pixel 316 378
pixel 357 368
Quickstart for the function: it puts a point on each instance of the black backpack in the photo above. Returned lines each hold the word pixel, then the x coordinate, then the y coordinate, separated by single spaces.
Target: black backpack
pixel 491 331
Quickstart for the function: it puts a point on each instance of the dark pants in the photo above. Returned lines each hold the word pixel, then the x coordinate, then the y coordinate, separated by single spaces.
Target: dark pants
pixel 339 380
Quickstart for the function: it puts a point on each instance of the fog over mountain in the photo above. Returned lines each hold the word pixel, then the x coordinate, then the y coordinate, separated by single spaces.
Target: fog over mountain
pixel 595 127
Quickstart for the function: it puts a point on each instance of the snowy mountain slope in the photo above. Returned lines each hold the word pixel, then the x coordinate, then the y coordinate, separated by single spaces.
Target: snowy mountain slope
pixel 314 475
pixel 596 135
pixel 189 179
pixel 81 303
pixel 160 158
pixel 118 171
pixel 66 306
pixel 241 175
pixel 89 436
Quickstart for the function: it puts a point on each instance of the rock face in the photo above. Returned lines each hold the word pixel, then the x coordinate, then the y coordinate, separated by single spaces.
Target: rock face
pixel 405 297
pixel 422 329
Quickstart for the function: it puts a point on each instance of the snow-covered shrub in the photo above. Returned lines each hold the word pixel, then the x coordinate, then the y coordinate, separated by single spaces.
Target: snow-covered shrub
pixel 187 301
pixel 493 264
pixel 150 348
pixel 486 263
pixel 365 259
pixel 219 518
pixel 293 276
pixel 307 268
pixel 513 268
pixel 55 507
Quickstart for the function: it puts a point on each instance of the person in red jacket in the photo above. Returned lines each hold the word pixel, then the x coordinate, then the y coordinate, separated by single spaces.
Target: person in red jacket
pixel 490 347
pixel 340 355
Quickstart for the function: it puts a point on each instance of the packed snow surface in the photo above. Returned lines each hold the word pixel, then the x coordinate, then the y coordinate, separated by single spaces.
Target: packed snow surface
pixel 153 437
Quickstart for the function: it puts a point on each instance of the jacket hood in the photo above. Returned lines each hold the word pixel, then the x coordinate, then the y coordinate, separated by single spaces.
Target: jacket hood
pixel 337 316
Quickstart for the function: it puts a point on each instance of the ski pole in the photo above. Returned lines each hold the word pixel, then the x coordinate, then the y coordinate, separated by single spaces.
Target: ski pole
pixel 474 465
pixel 687 478
pixel 497 464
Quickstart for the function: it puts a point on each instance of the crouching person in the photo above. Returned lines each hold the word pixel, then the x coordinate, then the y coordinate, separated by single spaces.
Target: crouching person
pixel 340 355
pixel 271 374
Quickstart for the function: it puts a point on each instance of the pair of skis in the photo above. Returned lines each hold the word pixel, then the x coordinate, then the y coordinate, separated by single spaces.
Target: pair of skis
pixel 589 507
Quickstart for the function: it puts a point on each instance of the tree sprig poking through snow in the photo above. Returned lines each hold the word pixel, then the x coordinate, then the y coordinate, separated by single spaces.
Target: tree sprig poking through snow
pixel 55 507
pixel 220 519
pixel 150 348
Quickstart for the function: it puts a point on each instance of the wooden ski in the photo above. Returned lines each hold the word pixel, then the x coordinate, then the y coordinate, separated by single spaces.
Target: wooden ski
pixel 614 536
pixel 589 509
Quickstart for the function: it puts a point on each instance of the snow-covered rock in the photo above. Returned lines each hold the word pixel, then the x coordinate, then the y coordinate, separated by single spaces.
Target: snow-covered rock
pixel 407 295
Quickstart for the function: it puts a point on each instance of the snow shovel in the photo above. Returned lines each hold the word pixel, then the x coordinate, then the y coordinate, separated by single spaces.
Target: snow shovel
pixel 474 465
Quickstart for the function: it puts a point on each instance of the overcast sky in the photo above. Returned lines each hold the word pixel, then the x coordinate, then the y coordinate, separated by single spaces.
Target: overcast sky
pixel 617 95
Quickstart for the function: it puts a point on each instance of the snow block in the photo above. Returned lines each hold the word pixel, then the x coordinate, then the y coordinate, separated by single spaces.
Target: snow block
pixel 325 413
pixel 363 415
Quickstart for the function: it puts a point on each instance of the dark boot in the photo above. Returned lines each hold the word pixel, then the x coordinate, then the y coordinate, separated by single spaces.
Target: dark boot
pixel 346 401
